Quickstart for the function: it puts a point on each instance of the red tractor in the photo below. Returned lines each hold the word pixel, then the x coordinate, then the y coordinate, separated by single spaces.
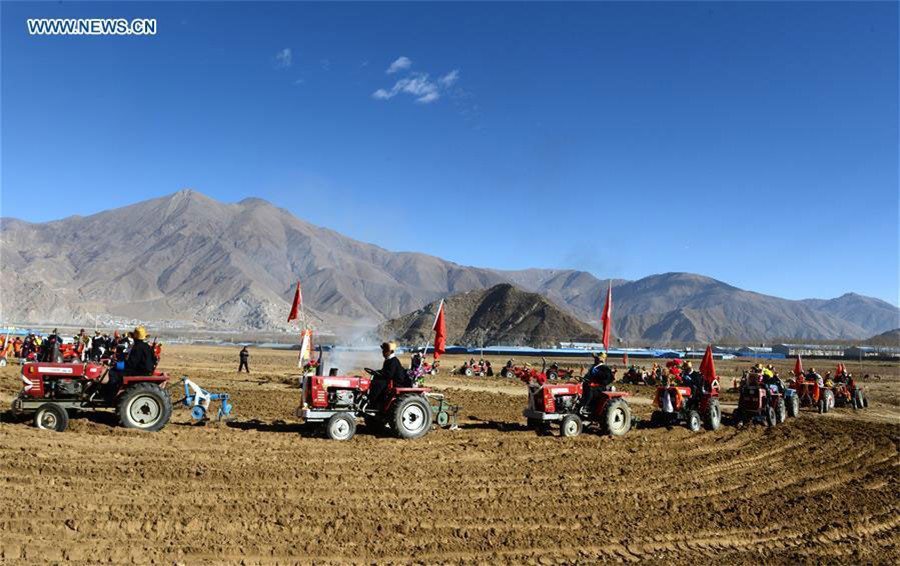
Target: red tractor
pixel 555 372
pixel 339 401
pixel 510 371
pixel 678 403
pixel 472 367
pixel 847 394
pixel 51 390
pixel 813 393
pixel 558 402
pixel 769 402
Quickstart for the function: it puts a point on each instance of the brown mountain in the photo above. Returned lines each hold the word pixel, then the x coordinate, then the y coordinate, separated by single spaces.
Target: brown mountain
pixel 502 314
pixel 890 338
pixel 187 259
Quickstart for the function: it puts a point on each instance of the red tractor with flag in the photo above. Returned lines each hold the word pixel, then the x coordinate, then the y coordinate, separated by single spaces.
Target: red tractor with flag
pixel 692 399
pixel 846 391
pixel 810 390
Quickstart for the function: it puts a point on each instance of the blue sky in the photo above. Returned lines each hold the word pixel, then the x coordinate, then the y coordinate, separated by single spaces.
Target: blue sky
pixel 752 142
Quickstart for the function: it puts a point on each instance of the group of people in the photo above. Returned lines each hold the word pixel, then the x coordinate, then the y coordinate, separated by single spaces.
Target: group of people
pixel 83 347
pixel 841 375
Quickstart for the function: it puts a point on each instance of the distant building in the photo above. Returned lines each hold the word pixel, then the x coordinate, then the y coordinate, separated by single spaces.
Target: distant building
pixel 750 351
pixel 809 350
pixel 582 345
pixel 871 352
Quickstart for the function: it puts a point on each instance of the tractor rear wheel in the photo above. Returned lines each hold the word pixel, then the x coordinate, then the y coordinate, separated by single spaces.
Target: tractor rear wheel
pixel 51 416
pixel 412 416
pixel 571 425
pixel 694 423
pixel 468 372
pixel 341 426
pixel 780 411
pixel 552 375
pixel 714 415
pixel 865 400
pixel 793 406
pixel 144 406
pixel 617 417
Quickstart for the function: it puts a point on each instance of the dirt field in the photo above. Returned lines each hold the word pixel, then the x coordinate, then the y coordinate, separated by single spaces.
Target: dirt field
pixel 266 490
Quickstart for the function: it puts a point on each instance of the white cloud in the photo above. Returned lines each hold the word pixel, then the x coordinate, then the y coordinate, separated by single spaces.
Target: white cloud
pixel 420 86
pixel 284 58
pixel 450 78
pixel 400 64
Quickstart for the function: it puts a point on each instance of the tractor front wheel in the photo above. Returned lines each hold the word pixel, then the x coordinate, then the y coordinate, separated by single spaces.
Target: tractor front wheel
pixel 51 416
pixel 552 375
pixel 829 400
pixel 793 406
pixel 771 419
pixel 341 426
pixel 412 417
pixel 714 415
pixel 780 411
pixel 694 423
pixel 617 417
pixel 570 426
pixel 144 406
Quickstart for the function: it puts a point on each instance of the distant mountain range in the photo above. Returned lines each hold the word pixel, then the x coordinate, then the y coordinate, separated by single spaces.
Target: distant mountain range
pixel 502 314
pixel 187 259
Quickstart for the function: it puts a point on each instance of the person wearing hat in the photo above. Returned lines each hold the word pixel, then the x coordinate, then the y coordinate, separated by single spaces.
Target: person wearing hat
pixel 141 360
pixel 97 346
pixel 599 375
pixel 391 372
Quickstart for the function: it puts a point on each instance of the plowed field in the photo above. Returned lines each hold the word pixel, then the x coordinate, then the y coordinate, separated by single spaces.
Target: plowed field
pixel 267 490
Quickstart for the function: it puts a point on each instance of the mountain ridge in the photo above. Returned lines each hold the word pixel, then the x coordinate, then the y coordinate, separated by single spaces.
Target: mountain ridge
pixel 191 259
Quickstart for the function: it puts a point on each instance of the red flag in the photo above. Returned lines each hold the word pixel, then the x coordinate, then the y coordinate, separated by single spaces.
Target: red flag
pixel 607 317
pixel 625 359
pixel 798 367
pixel 707 367
pixel 295 307
pixel 440 332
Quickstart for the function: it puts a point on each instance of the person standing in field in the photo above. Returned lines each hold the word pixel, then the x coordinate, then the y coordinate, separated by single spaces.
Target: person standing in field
pixel 245 357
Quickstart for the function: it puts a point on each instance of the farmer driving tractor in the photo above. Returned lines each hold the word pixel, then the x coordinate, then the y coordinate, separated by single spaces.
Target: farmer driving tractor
pixel 141 360
pixel 599 375
pixel 391 370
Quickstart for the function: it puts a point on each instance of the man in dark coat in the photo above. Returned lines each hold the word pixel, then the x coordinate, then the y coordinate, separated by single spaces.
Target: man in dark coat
pixel 245 356
pixel 601 375
pixel 141 360
pixel 391 371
